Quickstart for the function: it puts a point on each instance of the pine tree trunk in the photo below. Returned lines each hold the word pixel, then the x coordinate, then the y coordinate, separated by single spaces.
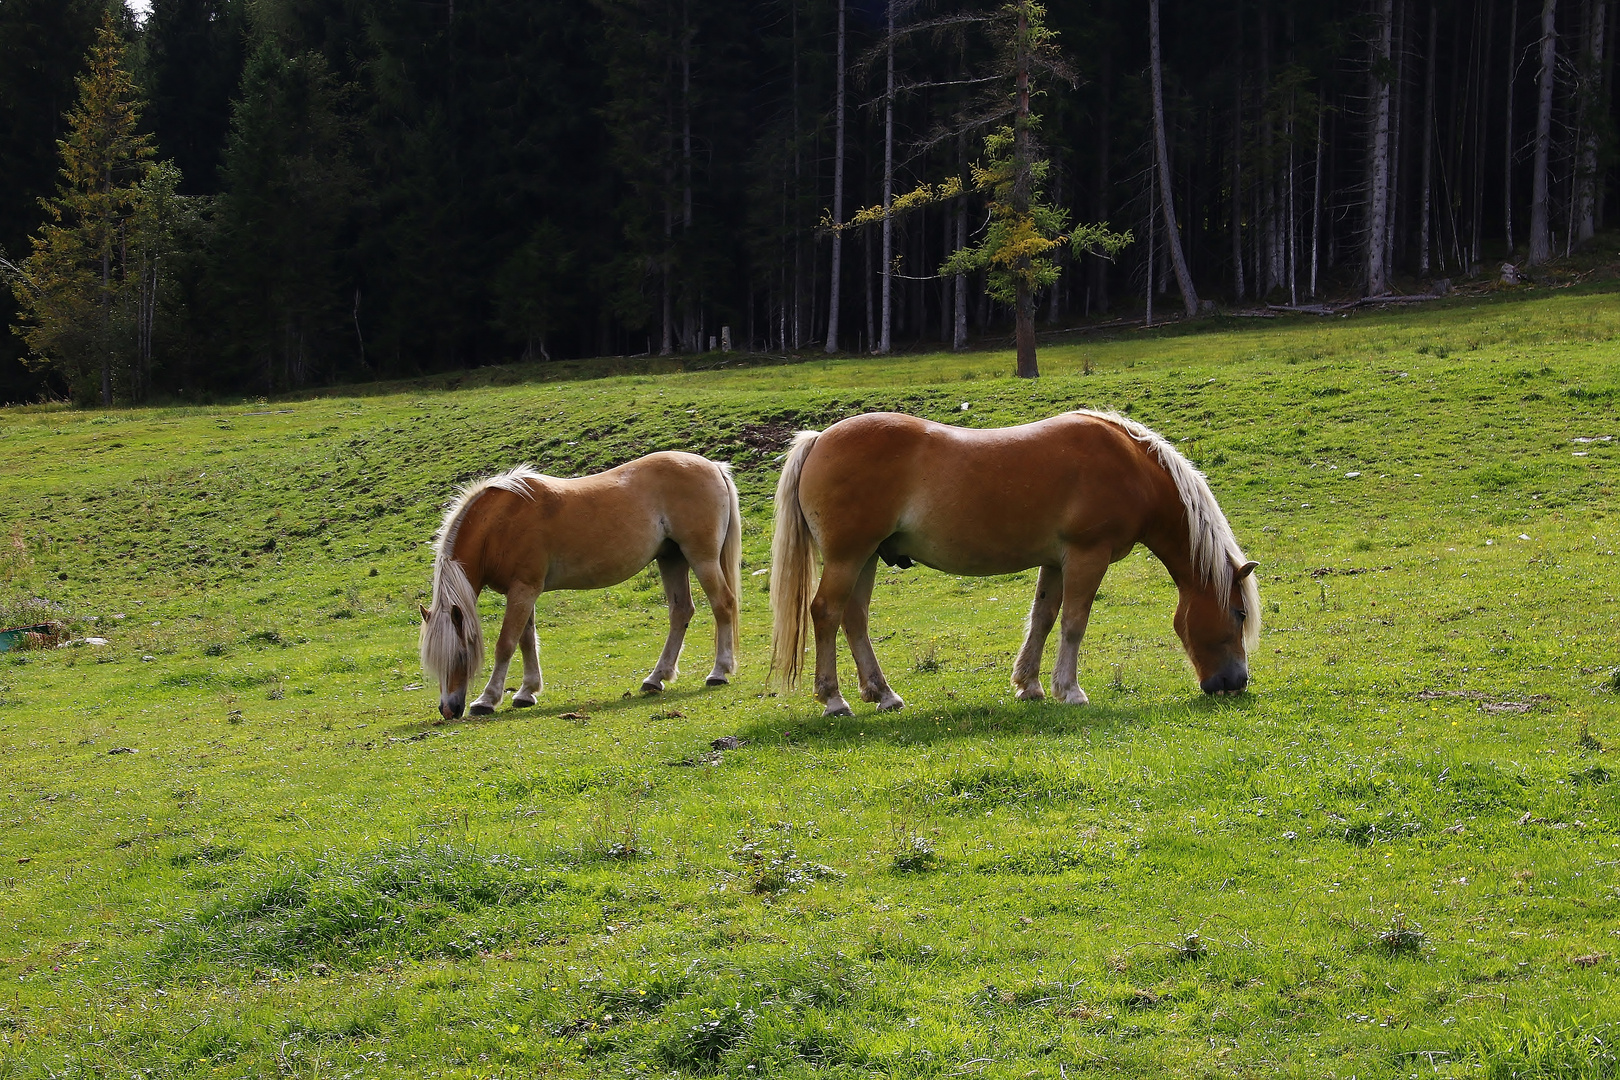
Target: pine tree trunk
pixel 835 286
pixel 1053 311
pixel 1152 236
pixel 870 343
pixel 1425 200
pixel 688 316
pixel 1293 276
pixel 1189 295
pixel 959 334
pixel 1397 109
pixel 1024 303
pixel 1592 98
pixel 1484 100
pixel 888 192
pixel 1238 289
pixel 1378 165
pixel 1507 111
pixel 1099 265
pixel 947 288
pixel 1267 274
pixel 798 233
pixel 1540 236
pixel 1316 194
pixel 106 329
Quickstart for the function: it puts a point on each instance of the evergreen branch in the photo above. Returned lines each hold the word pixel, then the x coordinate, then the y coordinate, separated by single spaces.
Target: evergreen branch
pixel 915 199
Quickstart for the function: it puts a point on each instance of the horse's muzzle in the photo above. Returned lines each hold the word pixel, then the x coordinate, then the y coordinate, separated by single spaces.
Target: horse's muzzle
pixel 451 705
pixel 1231 679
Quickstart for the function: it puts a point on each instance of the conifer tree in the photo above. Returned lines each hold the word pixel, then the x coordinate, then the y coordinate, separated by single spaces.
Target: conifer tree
pixel 1024 229
pixel 289 185
pixel 84 290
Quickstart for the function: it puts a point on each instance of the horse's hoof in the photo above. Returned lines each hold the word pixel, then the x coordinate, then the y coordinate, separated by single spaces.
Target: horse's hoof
pixel 1076 696
pixel 1030 693
pixel 650 687
pixel 716 680
pixel 841 709
pixel 522 702
pixel 478 708
pixel 893 703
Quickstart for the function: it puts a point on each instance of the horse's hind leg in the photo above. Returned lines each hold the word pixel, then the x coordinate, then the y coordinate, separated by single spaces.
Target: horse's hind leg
pixel 1083 572
pixel 519 614
pixel 673 568
pixel 874 687
pixel 827 612
pixel 533 683
pixel 1026 673
pixel 723 603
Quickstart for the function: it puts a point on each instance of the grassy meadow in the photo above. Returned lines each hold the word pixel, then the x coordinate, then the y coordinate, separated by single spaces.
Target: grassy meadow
pixel 235 840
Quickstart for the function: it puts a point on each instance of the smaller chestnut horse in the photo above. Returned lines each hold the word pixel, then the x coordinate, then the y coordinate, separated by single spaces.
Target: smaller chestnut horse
pixel 522 533
pixel 1070 495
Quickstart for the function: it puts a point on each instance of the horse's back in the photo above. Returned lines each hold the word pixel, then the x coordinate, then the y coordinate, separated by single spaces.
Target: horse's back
pixel 976 500
pixel 597 530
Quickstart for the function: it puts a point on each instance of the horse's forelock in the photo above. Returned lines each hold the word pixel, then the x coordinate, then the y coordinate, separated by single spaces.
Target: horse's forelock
pixel 1215 551
pixel 443 646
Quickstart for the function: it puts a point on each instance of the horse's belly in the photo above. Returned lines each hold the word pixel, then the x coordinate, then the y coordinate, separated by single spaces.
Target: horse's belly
pixel 967 557
pixel 600 571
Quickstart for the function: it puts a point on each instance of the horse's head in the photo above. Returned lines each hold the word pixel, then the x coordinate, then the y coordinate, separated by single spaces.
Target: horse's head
pixel 451 652
pixel 1219 630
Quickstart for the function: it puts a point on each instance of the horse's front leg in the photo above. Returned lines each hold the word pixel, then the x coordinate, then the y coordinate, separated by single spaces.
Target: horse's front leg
pixel 827 612
pixel 1083 571
pixel 533 682
pixel 519 613
pixel 874 687
pixel 673 569
pixel 1026 673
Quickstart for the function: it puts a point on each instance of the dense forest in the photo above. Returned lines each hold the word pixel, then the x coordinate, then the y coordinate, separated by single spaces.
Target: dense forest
pixel 318 190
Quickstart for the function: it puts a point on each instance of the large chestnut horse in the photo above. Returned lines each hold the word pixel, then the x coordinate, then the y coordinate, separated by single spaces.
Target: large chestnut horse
pixel 522 534
pixel 1070 495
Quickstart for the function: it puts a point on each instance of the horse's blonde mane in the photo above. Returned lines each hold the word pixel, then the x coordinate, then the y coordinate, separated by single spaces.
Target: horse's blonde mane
pixel 1215 551
pixel 440 643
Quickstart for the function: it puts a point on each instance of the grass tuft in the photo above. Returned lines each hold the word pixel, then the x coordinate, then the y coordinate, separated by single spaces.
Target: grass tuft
pixel 341 910
pixel 1402 937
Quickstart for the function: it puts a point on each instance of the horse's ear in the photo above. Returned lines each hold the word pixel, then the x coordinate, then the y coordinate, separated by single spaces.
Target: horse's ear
pixel 1244 571
pixel 425 615
pixel 455 616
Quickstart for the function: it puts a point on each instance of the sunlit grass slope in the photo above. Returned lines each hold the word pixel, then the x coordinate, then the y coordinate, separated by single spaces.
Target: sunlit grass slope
pixel 233 841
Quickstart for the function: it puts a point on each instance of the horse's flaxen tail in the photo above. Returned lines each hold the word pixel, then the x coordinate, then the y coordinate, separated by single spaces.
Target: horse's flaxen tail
pixel 731 549
pixel 793 552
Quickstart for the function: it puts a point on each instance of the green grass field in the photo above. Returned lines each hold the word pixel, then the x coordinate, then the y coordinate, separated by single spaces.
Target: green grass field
pixel 235 841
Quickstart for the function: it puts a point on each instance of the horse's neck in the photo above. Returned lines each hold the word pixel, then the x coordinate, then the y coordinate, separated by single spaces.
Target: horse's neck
pixel 461 548
pixel 1171 545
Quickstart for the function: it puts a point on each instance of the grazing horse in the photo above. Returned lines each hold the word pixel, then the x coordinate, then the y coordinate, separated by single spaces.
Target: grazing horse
pixel 522 533
pixel 1069 495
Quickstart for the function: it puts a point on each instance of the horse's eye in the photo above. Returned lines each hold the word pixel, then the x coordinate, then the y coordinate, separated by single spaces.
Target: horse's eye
pixel 1240 613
